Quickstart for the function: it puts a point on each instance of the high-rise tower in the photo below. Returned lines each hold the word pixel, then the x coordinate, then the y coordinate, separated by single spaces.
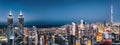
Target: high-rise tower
pixel 10 21
pixel 82 25
pixel 10 29
pixel 68 29
pixel 21 21
pixel 111 15
pixel 73 28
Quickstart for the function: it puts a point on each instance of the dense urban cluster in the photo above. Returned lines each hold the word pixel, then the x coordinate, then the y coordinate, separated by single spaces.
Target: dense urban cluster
pixel 106 33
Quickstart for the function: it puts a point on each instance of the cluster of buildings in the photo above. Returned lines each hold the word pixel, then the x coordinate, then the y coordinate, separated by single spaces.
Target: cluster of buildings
pixel 72 34
pixel 11 30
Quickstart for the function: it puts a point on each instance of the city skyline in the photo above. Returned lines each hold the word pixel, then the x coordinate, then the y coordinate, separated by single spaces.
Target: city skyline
pixel 59 11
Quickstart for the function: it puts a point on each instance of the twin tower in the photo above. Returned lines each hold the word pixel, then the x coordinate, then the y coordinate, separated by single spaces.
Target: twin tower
pixel 20 21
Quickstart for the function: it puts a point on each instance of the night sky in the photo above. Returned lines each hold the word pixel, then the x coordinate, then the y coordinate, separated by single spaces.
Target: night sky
pixel 59 12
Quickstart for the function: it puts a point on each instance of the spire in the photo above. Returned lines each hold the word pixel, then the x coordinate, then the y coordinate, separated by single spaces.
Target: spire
pixel 111 18
pixel 21 13
pixel 10 13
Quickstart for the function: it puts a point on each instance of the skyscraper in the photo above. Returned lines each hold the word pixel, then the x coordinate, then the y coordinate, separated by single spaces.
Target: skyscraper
pixel 111 17
pixel 36 35
pixel 68 29
pixel 10 29
pixel 21 21
pixel 10 21
pixel 73 28
pixel 76 31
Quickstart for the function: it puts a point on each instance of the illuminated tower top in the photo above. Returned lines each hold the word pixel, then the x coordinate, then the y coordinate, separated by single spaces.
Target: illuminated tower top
pixel 10 13
pixel 21 13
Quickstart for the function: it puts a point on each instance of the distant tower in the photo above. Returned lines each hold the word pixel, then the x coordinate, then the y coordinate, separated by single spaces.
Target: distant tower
pixel 76 31
pixel 73 28
pixel 82 25
pixel 36 35
pixel 111 17
pixel 21 21
pixel 68 29
pixel 10 21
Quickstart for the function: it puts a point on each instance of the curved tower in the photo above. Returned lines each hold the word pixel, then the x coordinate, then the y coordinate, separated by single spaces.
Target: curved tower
pixel 21 21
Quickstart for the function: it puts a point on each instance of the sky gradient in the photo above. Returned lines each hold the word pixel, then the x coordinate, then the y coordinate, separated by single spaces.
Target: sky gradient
pixel 59 11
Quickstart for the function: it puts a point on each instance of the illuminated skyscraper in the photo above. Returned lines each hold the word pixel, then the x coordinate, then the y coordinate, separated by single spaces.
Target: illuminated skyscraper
pixel 21 21
pixel 10 29
pixel 10 21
